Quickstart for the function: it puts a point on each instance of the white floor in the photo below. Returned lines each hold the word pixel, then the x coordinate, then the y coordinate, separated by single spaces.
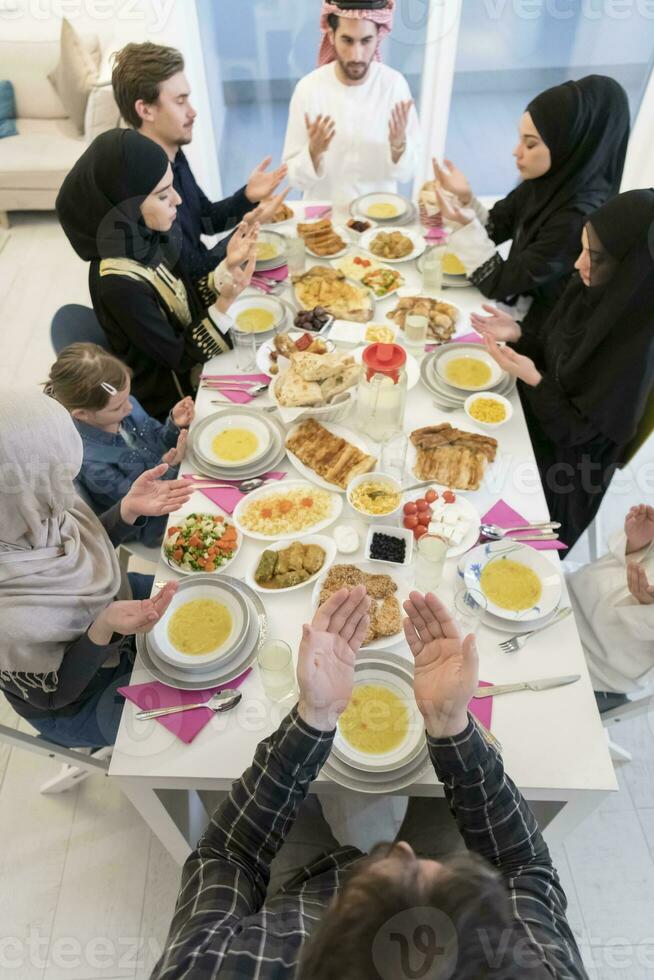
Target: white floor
pixel 86 890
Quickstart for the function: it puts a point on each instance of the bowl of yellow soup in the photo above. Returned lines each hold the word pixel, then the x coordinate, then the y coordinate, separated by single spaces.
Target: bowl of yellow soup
pixel 380 728
pixel 205 623
pixel 261 315
pixel 271 251
pixel 518 582
pixel 468 369
pixel 488 409
pixel 383 207
pixel 233 440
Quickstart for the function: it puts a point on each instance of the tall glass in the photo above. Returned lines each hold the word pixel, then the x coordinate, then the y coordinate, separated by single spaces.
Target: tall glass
pixel 276 670
pixel 469 608
pixel 430 562
pixel 393 457
pixel 432 270
pixel 296 256
pixel 245 348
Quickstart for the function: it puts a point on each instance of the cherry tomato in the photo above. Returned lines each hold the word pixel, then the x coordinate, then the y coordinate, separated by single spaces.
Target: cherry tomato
pixel 419 532
pixel 423 507
pixel 449 497
pixel 411 521
pixel 421 503
pixel 410 508
pixel 431 496
pixel 424 518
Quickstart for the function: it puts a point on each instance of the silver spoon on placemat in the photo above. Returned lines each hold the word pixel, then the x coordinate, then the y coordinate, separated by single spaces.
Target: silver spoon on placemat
pixel 220 701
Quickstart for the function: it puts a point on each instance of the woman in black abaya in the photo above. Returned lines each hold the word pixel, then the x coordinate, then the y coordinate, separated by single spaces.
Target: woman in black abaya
pixel 573 141
pixel 584 385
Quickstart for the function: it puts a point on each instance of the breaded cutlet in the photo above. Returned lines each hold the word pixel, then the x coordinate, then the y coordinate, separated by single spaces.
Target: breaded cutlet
pixel 379 586
pixel 387 617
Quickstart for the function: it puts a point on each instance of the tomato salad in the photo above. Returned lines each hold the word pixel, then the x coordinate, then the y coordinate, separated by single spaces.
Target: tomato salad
pixel 201 543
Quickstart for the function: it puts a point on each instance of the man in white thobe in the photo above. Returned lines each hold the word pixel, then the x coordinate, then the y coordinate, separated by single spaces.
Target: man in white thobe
pixel 352 128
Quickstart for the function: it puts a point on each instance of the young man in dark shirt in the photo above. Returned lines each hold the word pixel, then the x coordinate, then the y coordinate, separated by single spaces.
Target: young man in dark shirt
pixel 153 95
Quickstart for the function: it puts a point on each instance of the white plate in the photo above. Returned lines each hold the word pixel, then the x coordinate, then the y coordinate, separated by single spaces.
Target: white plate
pixel 218 592
pixel 257 300
pixel 373 783
pixel 277 260
pixel 401 204
pixel 549 575
pixel 175 518
pixel 384 676
pixel 402 594
pixel 264 352
pixel 412 459
pixel 368 301
pixel 258 428
pixel 467 510
pixel 327 544
pixel 497 374
pixel 336 430
pixel 416 237
pixel 351 271
pixel 281 227
pixel 412 367
pixel 336 501
pixel 347 333
pixel 344 234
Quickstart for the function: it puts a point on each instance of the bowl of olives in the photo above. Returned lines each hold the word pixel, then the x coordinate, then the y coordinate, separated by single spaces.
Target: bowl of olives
pixel 317 320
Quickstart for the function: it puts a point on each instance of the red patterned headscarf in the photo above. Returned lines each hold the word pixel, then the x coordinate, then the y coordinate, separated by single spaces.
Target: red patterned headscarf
pixel 383 18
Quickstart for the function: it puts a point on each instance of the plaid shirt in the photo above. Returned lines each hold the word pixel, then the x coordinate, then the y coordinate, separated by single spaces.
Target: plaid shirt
pixel 225 926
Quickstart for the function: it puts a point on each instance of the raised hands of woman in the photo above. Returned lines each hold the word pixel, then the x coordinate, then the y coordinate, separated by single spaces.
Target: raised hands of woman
pixel 131 616
pixel 517 365
pixel 451 179
pixel 241 244
pixel 150 496
pixel 639 527
pixel 498 325
pixel 175 456
pixel 451 212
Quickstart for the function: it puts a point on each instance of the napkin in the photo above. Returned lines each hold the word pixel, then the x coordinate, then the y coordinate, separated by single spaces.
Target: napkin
pixel 466 338
pixel 312 211
pixel 482 708
pixel 228 498
pixel 505 516
pixel 187 724
pixel 436 235
pixel 239 397
pixel 267 281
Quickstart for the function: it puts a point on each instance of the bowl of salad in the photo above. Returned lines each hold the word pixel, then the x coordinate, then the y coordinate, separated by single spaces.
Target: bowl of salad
pixel 200 543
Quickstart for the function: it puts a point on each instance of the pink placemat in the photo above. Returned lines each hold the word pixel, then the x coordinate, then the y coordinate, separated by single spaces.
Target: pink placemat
pixel 482 708
pixel 436 235
pixel 228 499
pixel 268 280
pixel 238 397
pixel 505 516
pixel 317 211
pixel 187 724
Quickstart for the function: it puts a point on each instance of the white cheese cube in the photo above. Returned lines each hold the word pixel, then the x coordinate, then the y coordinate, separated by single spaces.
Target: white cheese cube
pixel 451 515
pixel 438 507
pixel 458 534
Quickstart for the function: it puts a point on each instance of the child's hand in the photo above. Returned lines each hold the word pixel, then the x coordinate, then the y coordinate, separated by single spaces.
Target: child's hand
pixel 175 456
pixel 183 413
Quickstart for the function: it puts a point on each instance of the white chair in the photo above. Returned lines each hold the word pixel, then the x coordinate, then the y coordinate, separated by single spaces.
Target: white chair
pixel 76 765
pixel 623 713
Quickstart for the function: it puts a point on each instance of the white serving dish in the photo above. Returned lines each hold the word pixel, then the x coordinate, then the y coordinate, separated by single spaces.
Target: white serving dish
pixel 257 300
pixel 419 244
pixel 402 533
pixel 467 405
pixel 218 592
pixel 272 238
pixel 497 374
pixel 256 426
pixel 264 352
pixel 342 232
pixel 281 488
pixel 329 546
pixel 337 430
pixel 549 575
pixel 386 481
pixel 401 204
pixel 176 518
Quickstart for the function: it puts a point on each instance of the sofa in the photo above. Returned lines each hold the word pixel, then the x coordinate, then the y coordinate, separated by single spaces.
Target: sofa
pixel 33 163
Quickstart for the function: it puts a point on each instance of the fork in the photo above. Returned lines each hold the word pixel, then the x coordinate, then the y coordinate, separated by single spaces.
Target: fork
pixel 515 643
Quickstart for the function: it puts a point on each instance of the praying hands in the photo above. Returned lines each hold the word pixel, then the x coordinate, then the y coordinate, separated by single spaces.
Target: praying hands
pixel 321 133
pixel 397 128
pixel 517 365
pixel 262 184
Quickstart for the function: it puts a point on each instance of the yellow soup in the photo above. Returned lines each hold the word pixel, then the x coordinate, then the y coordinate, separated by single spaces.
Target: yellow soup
pixel 453 266
pixel 199 627
pixel 511 585
pixel 468 372
pixel 235 445
pixel 375 721
pixel 266 250
pixel 255 320
pixel 382 210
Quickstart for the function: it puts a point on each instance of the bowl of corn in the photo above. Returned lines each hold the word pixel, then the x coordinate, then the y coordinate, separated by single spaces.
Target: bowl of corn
pixel 487 408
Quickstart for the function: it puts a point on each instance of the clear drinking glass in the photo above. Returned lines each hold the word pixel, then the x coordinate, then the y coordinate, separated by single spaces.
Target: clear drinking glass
pixel 430 562
pixel 469 608
pixel 393 457
pixel 432 270
pixel 245 348
pixel 416 332
pixel 277 670
pixel 296 256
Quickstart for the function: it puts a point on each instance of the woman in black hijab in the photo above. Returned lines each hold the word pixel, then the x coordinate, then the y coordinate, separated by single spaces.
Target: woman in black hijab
pixel 573 141
pixel 117 207
pixel 584 385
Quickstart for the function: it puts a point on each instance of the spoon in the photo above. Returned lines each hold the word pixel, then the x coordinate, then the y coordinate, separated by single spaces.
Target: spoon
pixel 220 701
pixel 387 493
pixel 247 486
pixel 545 530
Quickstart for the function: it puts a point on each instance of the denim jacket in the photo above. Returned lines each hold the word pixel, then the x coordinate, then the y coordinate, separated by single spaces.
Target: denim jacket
pixel 111 465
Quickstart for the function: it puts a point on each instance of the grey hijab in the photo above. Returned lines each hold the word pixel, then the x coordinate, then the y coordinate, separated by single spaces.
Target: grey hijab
pixel 58 568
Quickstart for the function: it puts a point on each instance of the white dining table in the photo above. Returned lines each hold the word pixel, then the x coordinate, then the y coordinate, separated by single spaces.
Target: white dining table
pixel 553 743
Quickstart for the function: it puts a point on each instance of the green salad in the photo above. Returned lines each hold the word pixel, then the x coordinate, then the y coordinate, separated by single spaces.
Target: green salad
pixel 201 543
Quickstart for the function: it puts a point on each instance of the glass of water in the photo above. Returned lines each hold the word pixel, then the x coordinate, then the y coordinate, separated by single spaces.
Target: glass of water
pixel 393 457
pixel 245 348
pixel 296 255
pixel 430 562
pixel 276 670
pixel 469 608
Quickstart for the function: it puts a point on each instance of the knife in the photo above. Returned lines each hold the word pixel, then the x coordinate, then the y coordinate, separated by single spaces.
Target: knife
pixel 542 685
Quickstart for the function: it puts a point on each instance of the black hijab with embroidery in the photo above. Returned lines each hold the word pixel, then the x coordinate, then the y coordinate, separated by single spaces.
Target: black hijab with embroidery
pixel 601 346
pixel 99 202
pixel 585 125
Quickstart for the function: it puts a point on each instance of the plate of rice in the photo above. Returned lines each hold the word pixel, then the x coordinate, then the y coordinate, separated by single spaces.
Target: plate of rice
pixel 295 509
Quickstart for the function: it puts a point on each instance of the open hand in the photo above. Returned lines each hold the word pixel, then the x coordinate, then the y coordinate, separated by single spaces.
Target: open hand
pixel 517 365
pixel 183 413
pixel 241 245
pixel 267 210
pixel 639 527
pixel 398 123
pixel 499 325
pixel 150 496
pixel 638 584
pixel 451 179
pixel 446 665
pixel 261 183
pixel 321 133
pixel 175 456
pixel 327 656
pixel 131 616
pixel 450 211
